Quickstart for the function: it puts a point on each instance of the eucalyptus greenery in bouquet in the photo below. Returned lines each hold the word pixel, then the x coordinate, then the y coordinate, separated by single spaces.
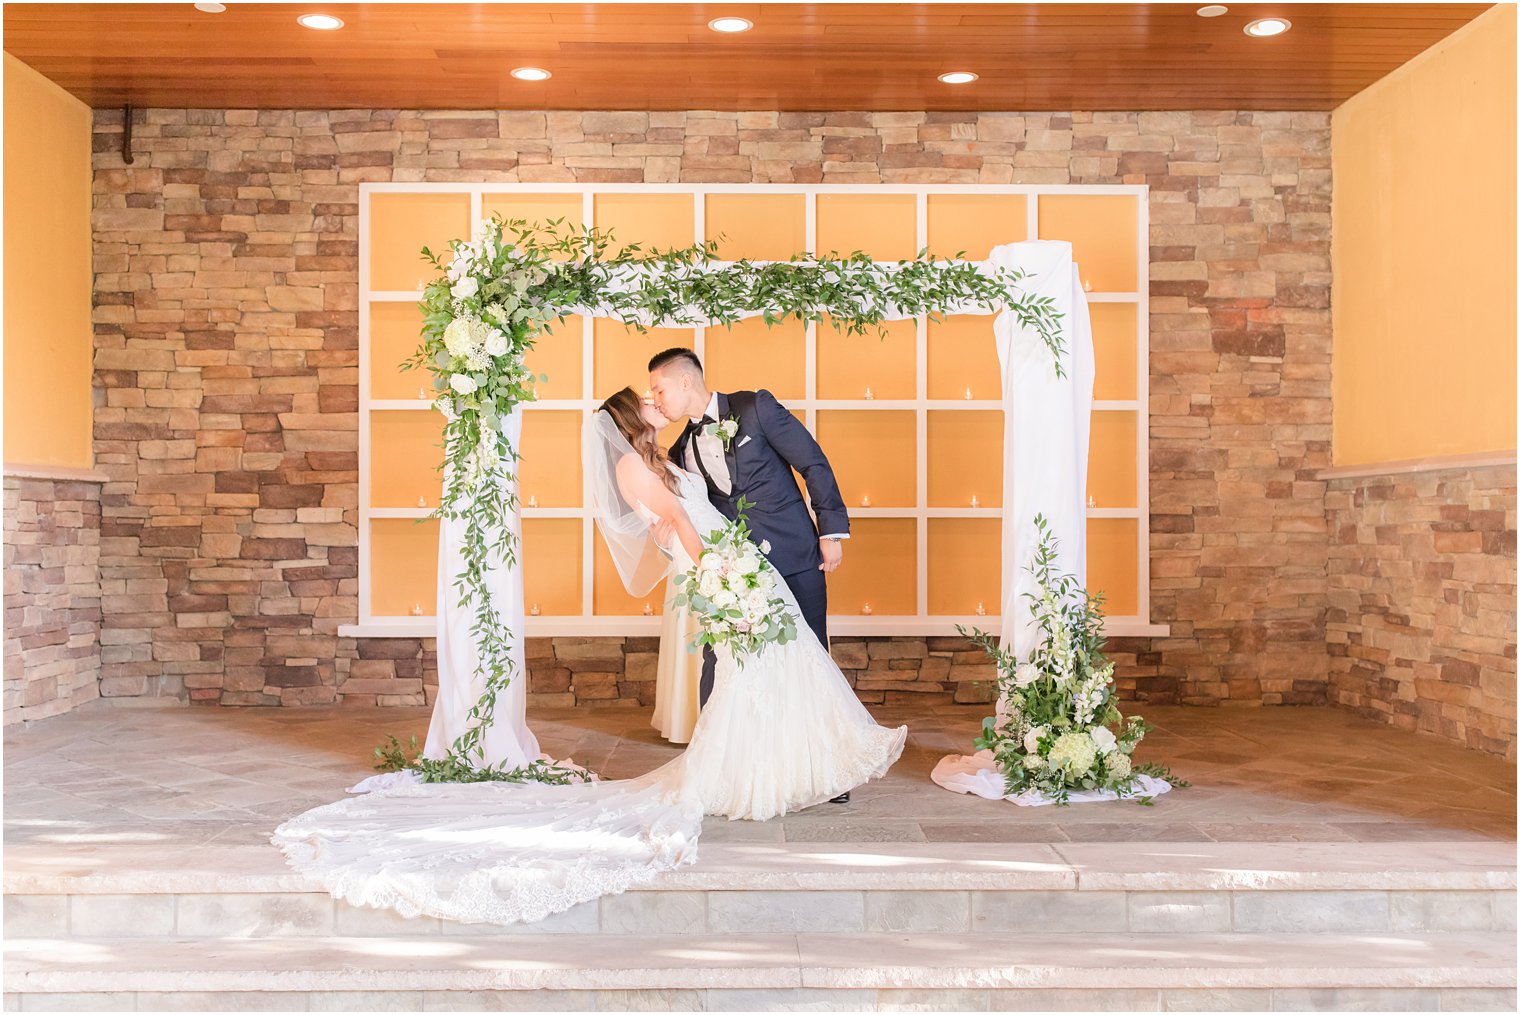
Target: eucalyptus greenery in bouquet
pixel 1061 729
pixel 731 591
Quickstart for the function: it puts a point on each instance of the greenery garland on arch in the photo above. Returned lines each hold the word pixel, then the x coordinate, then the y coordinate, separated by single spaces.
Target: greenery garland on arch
pixel 514 280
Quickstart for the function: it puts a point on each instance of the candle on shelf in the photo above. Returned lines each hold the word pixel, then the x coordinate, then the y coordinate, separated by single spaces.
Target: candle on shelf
pixel 968 392
pixel 534 611
pixel 870 394
pixel 421 285
pixel 1086 286
pixel 974 501
pixel 422 502
pixel 865 501
pixel 422 394
pixel 981 610
pixel 648 610
pixel 416 609
pixel 1090 502
pixel 532 501
pixel 866 609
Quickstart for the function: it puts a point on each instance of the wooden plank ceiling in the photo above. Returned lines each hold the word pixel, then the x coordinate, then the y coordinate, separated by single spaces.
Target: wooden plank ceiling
pixel 662 56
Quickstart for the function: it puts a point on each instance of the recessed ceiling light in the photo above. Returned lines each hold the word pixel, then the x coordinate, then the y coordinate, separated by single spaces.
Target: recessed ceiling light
pixel 211 8
pixel 321 22
pixel 730 25
pixel 958 77
pixel 531 74
pixel 1212 10
pixel 1263 28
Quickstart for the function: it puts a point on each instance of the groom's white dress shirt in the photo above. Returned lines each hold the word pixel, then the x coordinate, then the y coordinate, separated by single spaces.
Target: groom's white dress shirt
pixel 710 446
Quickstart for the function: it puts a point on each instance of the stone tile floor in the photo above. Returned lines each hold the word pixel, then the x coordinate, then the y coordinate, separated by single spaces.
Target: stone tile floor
pixel 227 776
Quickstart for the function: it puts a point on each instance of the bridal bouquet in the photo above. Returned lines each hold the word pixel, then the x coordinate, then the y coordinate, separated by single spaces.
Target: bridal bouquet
pixel 731 590
pixel 1061 730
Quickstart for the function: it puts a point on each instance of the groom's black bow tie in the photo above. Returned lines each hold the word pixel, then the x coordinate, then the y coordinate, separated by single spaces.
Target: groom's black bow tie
pixel 704 421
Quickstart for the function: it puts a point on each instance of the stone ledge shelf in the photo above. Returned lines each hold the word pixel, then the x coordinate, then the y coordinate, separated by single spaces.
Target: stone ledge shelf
pixel 1142 866
pixel 633 962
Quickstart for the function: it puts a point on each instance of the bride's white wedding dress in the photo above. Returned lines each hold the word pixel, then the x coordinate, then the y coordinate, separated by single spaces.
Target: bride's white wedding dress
pixel 781 731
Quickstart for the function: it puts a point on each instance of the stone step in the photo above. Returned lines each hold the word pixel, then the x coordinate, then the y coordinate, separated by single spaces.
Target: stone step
pixel 905 888
pixel 1464 865
pixel 757 971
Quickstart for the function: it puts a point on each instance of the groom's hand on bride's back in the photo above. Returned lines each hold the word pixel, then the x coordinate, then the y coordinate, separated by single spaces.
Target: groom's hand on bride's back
pixel 833 554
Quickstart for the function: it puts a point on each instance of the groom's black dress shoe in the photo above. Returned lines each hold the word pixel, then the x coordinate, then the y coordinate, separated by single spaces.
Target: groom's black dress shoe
pixel 842 798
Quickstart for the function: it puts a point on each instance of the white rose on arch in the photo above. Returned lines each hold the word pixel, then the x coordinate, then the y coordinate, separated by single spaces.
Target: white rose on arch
pixel 465 288
pixel 1032 739
pixel 1026 674
pixel 496 343
pixel 463 383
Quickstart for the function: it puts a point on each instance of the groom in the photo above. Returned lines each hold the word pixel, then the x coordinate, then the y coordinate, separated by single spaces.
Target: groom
pixel 756 463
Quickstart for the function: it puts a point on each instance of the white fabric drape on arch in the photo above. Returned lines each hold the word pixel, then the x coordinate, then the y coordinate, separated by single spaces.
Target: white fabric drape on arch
pixel 508 741
pixel 1044 472
pixel 1047 422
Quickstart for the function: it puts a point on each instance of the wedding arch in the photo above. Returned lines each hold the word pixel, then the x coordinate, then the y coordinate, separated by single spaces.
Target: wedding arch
pixel 504 290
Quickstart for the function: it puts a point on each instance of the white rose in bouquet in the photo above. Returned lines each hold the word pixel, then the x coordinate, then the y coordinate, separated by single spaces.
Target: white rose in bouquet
pixel 1032 738
pixel 463 383
pixel 765 546
pixel 710 564
pixel 709 584
pixel 725 599
pixel 1103 738
pixel 465 288
pixel 496 343
pixel 1026 674
pixel 756 604
pixel 747 564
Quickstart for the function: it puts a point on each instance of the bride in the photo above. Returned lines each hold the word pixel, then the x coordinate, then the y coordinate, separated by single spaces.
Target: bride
pixel 781 731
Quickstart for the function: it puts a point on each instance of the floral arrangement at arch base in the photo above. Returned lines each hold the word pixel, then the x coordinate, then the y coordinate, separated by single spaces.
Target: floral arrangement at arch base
pixel 1061 730
pixel 505 288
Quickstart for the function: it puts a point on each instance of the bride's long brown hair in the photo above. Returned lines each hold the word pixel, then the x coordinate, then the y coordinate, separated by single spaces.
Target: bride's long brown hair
pixel 626 410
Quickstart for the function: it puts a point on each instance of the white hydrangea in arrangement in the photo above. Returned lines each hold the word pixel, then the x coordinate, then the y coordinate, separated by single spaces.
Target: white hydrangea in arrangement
pixel 1062 730
pixel 732 592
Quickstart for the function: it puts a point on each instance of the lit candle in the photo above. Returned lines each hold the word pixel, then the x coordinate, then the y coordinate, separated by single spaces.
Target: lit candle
pixel 1086 286
pixel 421 285
pixel 532 501
pixel 416 609
pixel 648 610
pixel 968 393
pixel 534 610
pixel 866 609
pixel 974 502
pixel 422 502
pixel 865 501
pixel 422 395
pixel 1090 502
pixel 981 610
pixel 870 394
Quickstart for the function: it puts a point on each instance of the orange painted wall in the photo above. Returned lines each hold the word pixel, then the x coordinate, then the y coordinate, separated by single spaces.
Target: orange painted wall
pixel 48 273
pixel 1423 253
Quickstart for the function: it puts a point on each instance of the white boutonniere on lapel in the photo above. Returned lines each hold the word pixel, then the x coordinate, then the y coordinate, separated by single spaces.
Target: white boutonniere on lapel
pixel 726 430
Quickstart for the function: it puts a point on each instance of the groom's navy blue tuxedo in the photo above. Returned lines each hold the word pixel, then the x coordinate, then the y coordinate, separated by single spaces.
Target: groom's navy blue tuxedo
pixel 771 443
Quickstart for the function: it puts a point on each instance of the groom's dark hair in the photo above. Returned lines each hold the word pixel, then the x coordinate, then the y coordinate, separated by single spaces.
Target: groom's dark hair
pixel 669 356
